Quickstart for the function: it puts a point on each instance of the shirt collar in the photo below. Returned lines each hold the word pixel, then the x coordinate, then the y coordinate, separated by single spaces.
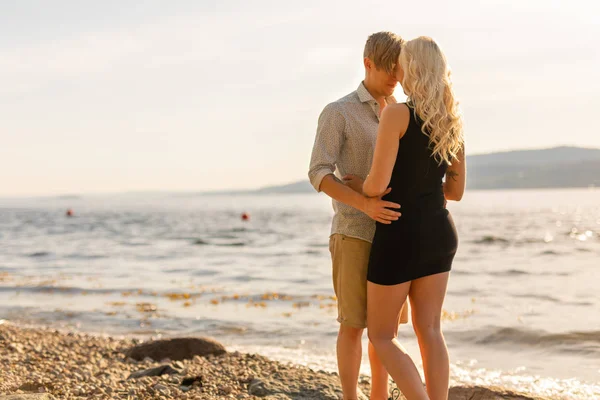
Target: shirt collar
pixel 365 97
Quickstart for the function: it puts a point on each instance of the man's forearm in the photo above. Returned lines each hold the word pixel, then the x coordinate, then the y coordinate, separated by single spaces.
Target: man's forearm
pixel 335 189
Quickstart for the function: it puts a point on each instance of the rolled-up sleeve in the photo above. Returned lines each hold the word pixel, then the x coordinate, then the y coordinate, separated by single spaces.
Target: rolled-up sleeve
pixel 328 144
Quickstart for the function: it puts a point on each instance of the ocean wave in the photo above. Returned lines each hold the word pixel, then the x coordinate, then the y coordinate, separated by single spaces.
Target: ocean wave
pixel 469 292
pixel 553 299
pixel 39 254
pixel 177 270
pixel 583 342
pixel 517 241
pixel 510 272
pixel 202 242
pixel 225 236
pixel 522 241
pixel 489 239
pixel 456 271
pixel 56 289
pixel 312 252
pixel 87 256
pixel 201 272
pixel 135 244
pixel 550 253
pixel 542 297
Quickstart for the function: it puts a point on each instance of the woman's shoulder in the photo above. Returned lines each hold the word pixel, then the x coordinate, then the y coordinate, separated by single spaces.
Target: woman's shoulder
pixel 398 113
pixel 397 110
pixel 396 117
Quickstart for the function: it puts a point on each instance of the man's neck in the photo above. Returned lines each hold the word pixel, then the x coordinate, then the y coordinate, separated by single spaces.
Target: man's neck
pixel 378 97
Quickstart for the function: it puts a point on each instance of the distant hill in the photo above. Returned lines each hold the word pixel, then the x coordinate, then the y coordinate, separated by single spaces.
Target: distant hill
pixel 559 155
pixel 559 167
pixel 548 168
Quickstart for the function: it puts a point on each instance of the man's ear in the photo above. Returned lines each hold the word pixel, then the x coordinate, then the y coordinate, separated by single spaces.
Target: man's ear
pixel 368 63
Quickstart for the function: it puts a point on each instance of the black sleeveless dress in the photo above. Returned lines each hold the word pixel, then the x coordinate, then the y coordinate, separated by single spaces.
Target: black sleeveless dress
pixel 423 241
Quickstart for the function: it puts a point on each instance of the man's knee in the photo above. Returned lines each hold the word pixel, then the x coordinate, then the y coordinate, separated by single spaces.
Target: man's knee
pixel 350 332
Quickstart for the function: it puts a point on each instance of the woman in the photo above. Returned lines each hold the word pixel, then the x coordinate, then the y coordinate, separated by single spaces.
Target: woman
pixel 418 144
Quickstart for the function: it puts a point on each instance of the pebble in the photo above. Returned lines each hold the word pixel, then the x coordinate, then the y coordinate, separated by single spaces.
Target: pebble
pixel 75 366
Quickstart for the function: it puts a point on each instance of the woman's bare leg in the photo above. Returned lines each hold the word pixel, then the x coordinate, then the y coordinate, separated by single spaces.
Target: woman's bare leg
pixel 384 304
pixel 426 298
pixel 379 376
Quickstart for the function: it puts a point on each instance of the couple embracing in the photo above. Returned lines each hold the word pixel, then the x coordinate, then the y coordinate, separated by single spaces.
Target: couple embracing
pixel 390 168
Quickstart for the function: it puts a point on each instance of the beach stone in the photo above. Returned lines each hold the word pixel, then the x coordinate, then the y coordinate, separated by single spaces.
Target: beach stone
pixel 176 349
pixel 486 393
pixel 225 389
pixel 162 389
pixel 30 387
pixel 164 369
pixel 17 347
pixel 302 384
pixel 37 396
pixel 257 388
pixel 192 380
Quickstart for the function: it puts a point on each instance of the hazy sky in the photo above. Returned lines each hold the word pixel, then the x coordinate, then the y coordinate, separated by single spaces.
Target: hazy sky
pixel 108 96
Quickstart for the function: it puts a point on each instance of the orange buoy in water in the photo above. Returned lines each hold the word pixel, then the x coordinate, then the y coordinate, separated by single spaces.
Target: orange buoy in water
pixel 245 217
pixel 69 213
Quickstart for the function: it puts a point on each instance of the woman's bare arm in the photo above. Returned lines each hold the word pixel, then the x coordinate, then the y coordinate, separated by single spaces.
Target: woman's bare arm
pixel 392 126
pixel 456 178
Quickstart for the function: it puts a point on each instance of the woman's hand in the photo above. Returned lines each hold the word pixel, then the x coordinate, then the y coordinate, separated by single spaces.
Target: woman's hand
pixel 380 210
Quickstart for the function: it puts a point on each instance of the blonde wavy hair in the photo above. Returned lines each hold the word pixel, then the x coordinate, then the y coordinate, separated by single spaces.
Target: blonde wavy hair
pixel 428 86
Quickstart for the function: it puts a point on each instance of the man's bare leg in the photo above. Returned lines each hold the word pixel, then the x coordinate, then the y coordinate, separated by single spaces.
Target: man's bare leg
pixel 349 356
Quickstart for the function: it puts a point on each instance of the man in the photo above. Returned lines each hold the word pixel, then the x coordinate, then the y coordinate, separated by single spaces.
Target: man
pixel 345 140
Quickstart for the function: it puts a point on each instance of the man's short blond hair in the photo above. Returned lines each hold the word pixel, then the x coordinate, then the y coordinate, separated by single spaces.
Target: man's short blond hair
pixel 383 48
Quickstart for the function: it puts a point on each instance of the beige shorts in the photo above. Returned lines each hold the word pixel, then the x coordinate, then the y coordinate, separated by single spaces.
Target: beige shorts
pixel 350 259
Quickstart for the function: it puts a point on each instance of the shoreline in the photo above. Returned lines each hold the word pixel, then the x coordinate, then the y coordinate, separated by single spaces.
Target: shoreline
pixel 74 365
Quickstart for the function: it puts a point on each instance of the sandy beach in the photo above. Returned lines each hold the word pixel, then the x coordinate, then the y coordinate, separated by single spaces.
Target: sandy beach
pixel 44 363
